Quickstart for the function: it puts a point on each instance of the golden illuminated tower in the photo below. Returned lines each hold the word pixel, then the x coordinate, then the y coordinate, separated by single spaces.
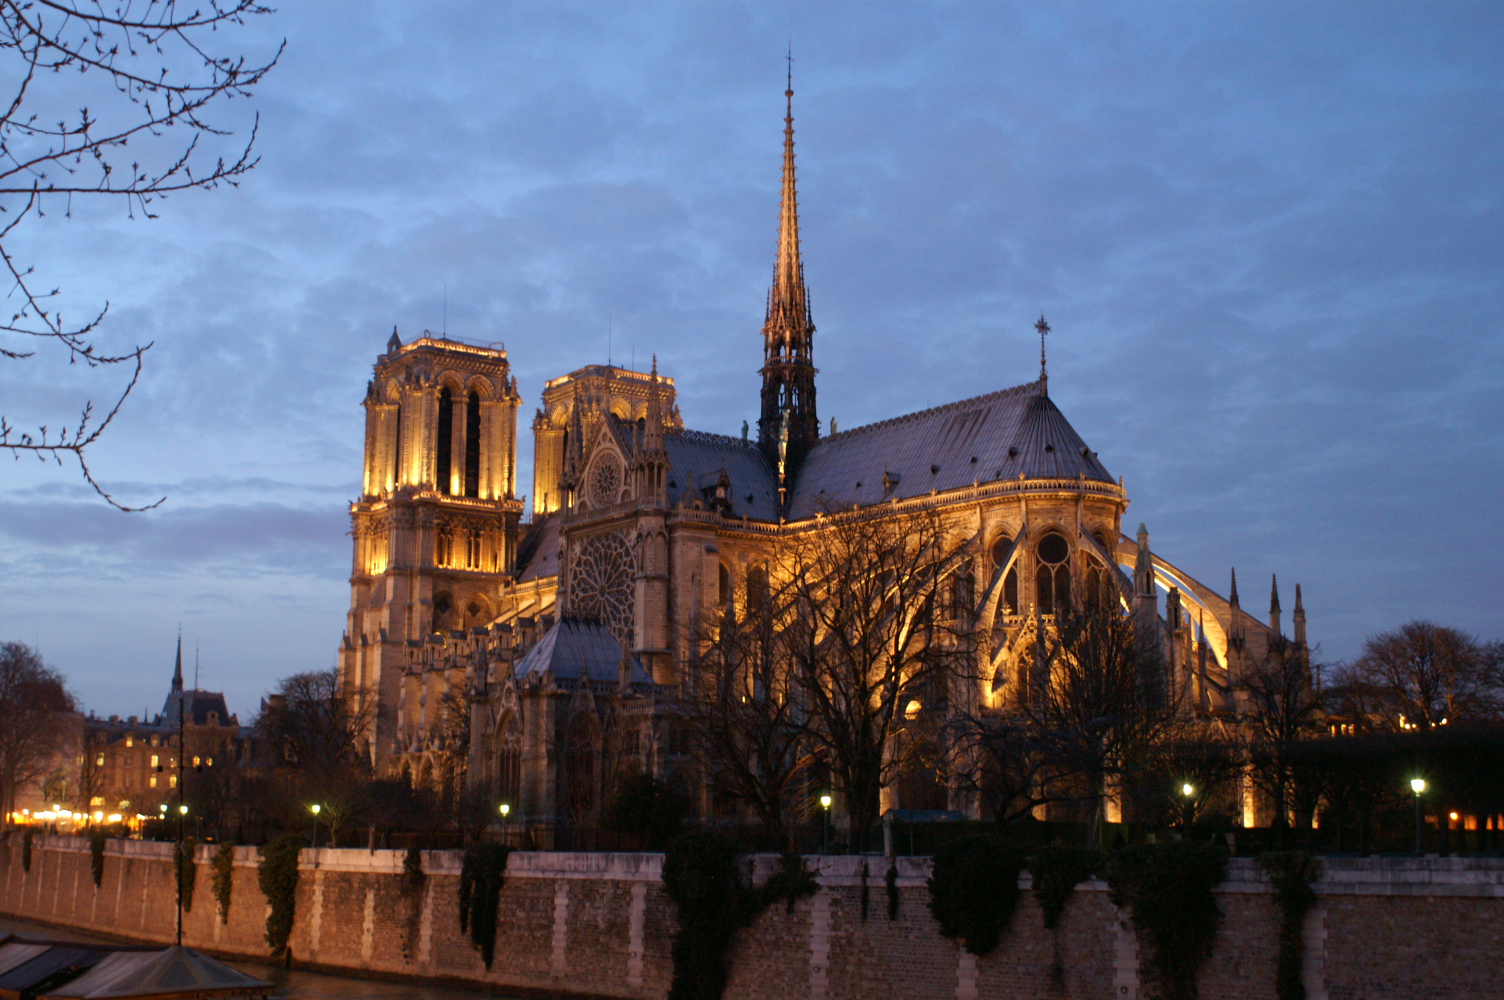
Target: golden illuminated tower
pixel 436 525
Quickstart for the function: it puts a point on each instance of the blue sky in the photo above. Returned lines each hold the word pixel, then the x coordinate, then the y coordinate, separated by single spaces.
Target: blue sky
pixel 1269 238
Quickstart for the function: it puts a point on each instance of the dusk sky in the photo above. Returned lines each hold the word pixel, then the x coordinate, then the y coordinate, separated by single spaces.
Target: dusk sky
pixel 1269 239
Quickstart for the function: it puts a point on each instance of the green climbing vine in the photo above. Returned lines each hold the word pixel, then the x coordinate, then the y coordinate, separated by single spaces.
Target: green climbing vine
pixel 411 887
pixel 223 883
pixel 974 890
pixel 712 899
pixel 26 852
pixel 1057 871
pixel 1291 874
pixel 97 840
pixel 482 875
pixel 1168 890
pixel 187 871
pixel 278 877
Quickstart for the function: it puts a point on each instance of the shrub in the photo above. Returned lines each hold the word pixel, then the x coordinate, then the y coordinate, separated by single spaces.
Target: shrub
pixel 892 883
pixel 974 890
pixel 1291 873
pixel 187 871
pixel 26 852
pixel 482 875
pixel 1168 890
pixel 702 879
pixel 278 877
pixel 650 808
pixel 1057 871
pixel 224 879
pixel 97 840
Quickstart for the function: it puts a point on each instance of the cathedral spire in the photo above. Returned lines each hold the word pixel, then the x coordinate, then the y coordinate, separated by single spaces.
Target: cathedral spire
pixel 1300 619
pixel 788 371
pixel 177 670
pixel 1274 603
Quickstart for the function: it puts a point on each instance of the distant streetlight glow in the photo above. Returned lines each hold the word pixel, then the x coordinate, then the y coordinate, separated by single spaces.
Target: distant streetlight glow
pixel 1417 785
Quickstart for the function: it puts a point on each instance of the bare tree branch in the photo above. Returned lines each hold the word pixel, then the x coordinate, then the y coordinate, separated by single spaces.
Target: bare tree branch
pixel 154 56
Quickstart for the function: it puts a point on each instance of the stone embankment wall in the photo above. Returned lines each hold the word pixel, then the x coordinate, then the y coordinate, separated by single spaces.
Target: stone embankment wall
pixel 600 924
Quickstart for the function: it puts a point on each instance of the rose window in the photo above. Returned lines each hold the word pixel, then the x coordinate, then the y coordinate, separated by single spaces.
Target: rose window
pixel 600 583
pixel 605 481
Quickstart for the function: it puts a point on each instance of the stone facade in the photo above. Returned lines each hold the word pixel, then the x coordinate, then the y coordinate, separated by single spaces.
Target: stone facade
pixel 600 924
pixel 642 529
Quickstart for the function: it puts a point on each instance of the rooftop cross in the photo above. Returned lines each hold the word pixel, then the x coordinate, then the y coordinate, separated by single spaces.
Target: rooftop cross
pixel 1043 329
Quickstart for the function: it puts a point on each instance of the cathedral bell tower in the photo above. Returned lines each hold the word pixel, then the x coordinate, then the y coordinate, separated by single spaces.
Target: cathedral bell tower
pixel 789 425
pixel 436 526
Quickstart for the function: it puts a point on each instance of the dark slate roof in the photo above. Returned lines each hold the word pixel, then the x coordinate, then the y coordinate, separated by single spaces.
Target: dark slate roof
pixel 200 704
pixel 696 459
pixel 575 648
pixel 170 972
pixel 538 555
pixel 984 439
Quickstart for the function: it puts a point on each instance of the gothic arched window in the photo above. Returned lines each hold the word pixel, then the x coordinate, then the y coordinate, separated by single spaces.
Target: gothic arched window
pixel 472 445
pixel 1053 577
pixel 443 445
pixel 1010 582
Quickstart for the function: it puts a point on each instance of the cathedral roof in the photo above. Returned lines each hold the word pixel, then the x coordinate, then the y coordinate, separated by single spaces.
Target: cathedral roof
pixel 696 459
pixel 538 555
pixel 983 439
pixel 574 649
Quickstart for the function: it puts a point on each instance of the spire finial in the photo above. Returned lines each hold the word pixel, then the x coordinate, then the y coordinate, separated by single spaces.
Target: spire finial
pixel 1232 597
pixel 1044 378
pixel 177 670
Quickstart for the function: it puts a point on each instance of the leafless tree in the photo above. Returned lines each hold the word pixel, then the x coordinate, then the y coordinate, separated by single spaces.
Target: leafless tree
pixel 316 732
pixel 35 715
pixel 871 641
pixel 165 84
pixel 1284 709
pixel 738 712
pixel 1421 676
pixel 1101 703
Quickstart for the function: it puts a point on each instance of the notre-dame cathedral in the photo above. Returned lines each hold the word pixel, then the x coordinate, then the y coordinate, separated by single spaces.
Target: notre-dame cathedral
pixel 535 659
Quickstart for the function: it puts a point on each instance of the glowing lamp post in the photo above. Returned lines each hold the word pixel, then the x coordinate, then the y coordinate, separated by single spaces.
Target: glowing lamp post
pixel 315 809
pixel 1188 791
pixel 506 810
pixel 825 838
pixel 1417 785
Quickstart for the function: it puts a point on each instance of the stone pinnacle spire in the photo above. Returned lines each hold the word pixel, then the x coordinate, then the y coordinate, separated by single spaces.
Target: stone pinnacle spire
pixel 788 371
pixel 177 670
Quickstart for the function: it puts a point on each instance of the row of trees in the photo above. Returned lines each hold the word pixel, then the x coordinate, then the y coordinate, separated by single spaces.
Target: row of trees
pixel 850 665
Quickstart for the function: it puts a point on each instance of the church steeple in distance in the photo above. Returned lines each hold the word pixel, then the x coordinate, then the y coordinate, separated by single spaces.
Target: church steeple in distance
pixel 788 371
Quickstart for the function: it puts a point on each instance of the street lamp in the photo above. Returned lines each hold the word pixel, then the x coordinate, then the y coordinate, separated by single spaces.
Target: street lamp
pixel 1188 790
pixel 315 809
pixel 1417 785
pixel 825 839
pixel 506 810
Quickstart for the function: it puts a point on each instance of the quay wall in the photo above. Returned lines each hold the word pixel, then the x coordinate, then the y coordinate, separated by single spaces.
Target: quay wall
pixel 600 925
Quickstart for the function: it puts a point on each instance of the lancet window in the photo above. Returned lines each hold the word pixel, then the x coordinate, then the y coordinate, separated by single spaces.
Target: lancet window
pixel 1053 577
pixel 472 447
pixel 443 447
pixel 1010 582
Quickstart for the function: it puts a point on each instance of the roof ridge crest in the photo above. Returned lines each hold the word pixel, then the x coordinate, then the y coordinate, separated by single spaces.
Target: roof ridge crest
pixel 1017 390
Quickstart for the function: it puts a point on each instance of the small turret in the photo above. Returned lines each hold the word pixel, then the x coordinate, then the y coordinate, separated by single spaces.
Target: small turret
pixel 650 464
pixel 1300 620
pixel 1274 604
pixel 394 343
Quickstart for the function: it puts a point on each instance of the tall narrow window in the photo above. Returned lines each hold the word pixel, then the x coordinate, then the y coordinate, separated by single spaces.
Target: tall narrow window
pixel 472 445
pixel 397 449
pixel 1010 582
pixel 443 447
pixel 1053 578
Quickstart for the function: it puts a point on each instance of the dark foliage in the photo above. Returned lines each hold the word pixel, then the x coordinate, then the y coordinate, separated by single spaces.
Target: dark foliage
pixel 278 877
pixel 223 884
pixel 97 839
pixel 1168 890
pixel 652 809
pixel 187 872
pixel 1291 874
pixel 412 872
pixel 974 890
pixel 892 885
pixel 1057 871
pixel 482 875
pixel 712 900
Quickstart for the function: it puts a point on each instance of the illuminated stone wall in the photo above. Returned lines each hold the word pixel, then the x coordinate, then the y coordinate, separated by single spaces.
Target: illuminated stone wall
pixel 600 924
